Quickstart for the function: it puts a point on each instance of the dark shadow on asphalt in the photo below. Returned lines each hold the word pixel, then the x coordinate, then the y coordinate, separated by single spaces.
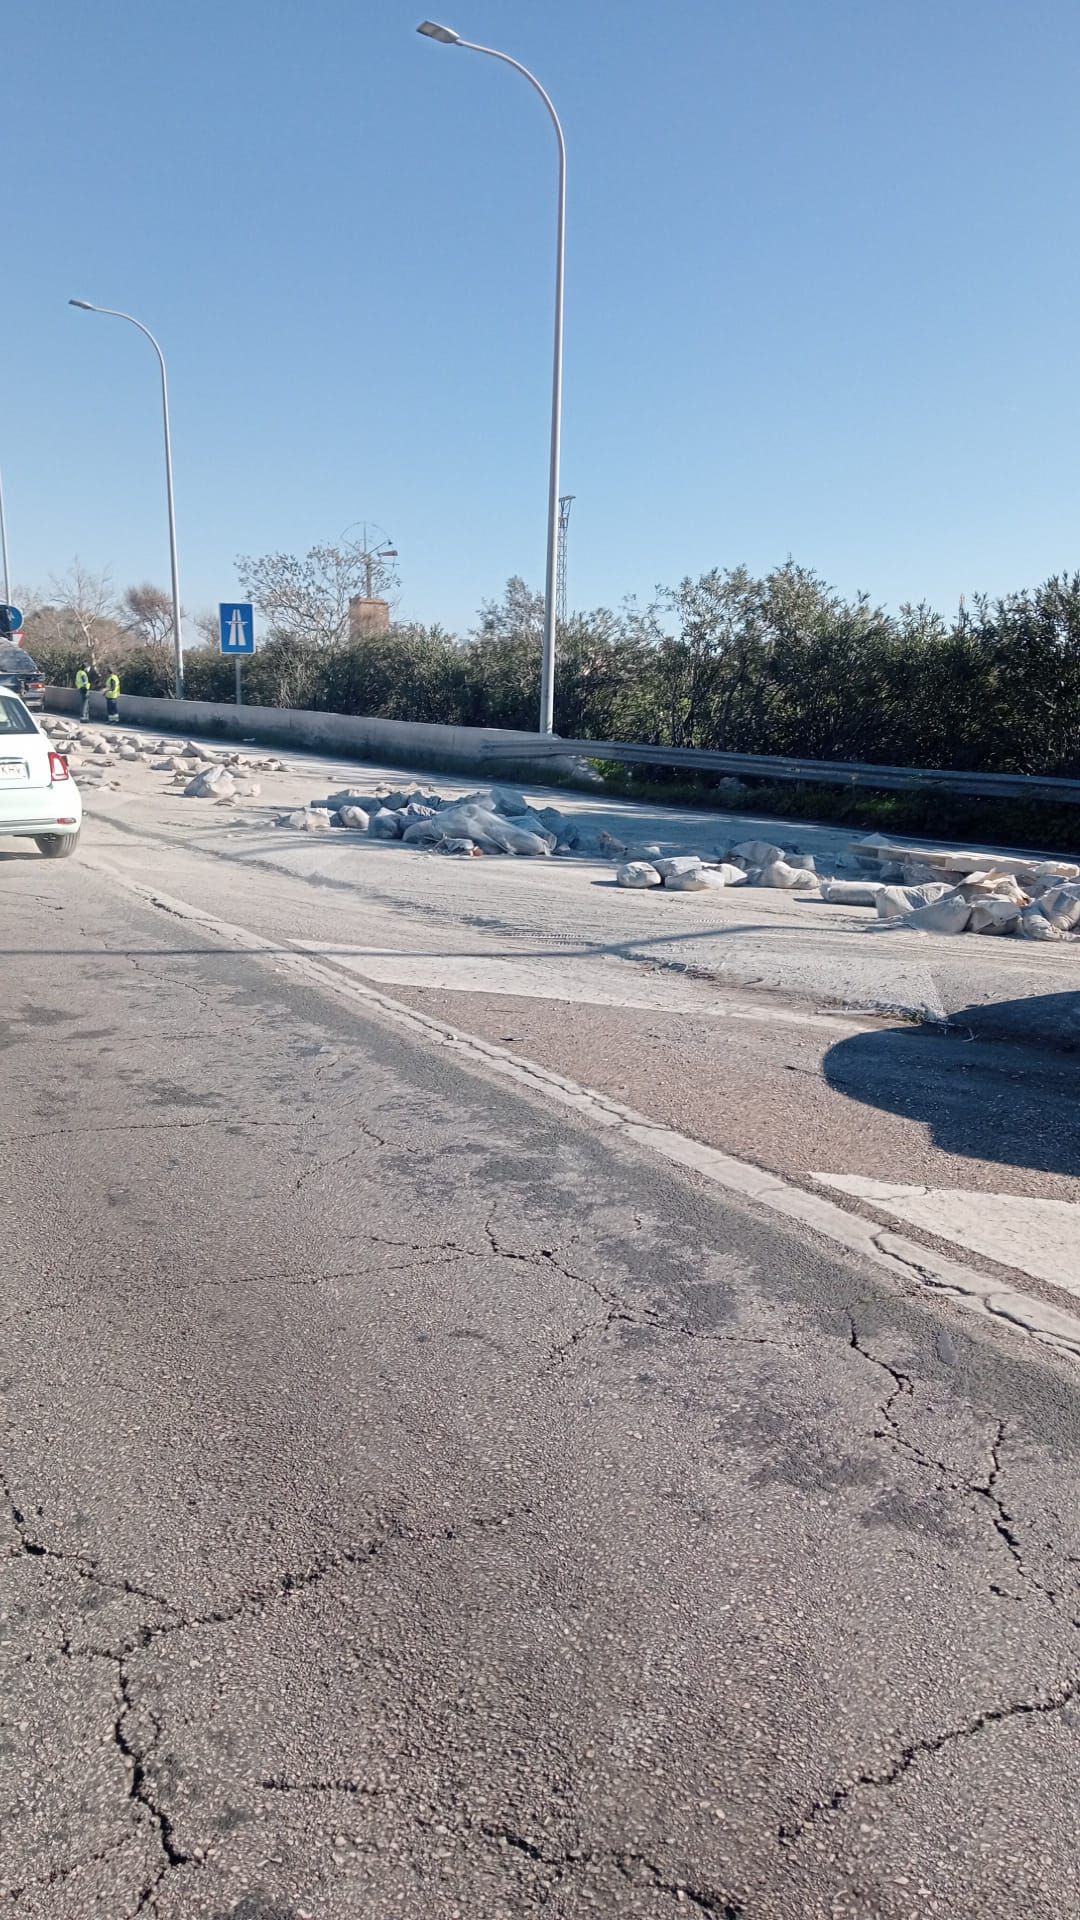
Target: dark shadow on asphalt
pixel 994 1087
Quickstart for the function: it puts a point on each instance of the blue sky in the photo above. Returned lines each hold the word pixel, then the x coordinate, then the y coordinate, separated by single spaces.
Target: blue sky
pixel 821 289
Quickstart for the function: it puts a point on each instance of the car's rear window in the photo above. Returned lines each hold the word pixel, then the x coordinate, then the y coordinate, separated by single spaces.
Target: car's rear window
pixel 14 717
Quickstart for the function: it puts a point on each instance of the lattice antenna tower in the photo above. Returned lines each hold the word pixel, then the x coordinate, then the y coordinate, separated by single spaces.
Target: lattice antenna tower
pixel 566 501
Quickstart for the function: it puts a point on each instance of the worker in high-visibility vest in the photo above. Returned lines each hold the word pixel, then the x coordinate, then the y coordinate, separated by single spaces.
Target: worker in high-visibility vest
pixel 82 688
pixel 112 695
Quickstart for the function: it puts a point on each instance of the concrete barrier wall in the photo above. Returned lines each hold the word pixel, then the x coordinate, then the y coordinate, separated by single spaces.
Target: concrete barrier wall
pixel 405 743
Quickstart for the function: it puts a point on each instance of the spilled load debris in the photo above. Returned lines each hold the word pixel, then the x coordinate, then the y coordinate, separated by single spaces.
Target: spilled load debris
pixel 498 821
pixel 202 773
pixel 939 891
pixel 949 890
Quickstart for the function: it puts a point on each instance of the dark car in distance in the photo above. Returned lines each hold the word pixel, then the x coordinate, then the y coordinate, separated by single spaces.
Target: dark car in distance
pixel 22 675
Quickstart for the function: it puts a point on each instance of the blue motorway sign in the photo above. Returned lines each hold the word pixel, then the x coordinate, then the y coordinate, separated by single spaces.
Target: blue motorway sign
pixel 11 620
pixel 237 619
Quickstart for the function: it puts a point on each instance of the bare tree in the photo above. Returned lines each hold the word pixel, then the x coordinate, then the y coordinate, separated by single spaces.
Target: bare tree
pixel 78 611
pixel 146 612
pixel 208 628
pixel 309 599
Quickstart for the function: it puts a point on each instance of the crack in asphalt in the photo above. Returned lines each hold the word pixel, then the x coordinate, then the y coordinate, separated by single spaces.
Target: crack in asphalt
pixel 438 1253
pixel 280 1783
pixel 508 1837
pixel 143 1126
pixel 1001 1518
pixel 703 1898
pixel 254 1599
pixel 81 1565
pixel 136 1755
pixel 632 1866
pixel 618 1310
pixel 137 1751
pixel 916 1750
pixel 342 1159
pixel 57 1874
pixel 251 1600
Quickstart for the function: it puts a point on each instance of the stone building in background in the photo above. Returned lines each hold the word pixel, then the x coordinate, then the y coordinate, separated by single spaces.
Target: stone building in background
pixel 368 616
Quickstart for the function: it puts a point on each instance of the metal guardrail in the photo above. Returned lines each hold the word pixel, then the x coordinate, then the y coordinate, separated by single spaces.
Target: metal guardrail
pixel 760 766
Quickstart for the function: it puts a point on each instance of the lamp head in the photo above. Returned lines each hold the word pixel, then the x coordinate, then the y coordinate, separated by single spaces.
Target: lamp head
pixel 434 32
pixel 86 305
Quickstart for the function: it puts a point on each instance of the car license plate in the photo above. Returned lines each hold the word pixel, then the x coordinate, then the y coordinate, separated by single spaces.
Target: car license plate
pixel 12 769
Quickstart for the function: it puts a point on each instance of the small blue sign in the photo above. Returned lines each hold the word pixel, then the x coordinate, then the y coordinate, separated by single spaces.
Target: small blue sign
pixel 11 620
pixel 237 618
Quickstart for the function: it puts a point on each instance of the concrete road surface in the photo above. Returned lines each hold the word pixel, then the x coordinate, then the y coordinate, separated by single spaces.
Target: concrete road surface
pixel 421 1501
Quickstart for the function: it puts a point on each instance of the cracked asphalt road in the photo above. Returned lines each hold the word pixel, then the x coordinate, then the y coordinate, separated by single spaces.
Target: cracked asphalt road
pixel 413 1504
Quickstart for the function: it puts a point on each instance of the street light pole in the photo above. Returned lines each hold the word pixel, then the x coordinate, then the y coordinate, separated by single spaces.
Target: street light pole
pixel 178 638
pixel 3 546
pixel 449 38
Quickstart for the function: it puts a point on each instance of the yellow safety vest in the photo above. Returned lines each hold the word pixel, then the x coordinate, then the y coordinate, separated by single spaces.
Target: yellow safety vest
pixel 82 681
pixel 112 687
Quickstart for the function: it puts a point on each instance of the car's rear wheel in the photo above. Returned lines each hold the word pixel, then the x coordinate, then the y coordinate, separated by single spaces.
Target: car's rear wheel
pixel 57 846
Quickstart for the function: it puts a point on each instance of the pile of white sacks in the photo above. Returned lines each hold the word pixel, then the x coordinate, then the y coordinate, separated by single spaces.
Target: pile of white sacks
pixel 951 891
pixel 750 863
pixel 929 891
pixel 497 821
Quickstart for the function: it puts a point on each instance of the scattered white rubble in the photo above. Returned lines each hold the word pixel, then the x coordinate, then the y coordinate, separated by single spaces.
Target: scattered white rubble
pixel 894 902
pixel 467 848
pixel 215 783
pixel 994 915
pixel 385 824
pixel 1061 906
pixel 756 853
pixel 950 914
pixel 308 820
pixel 637 873
pixel 852 893
pixel 697 880
pixel 777 873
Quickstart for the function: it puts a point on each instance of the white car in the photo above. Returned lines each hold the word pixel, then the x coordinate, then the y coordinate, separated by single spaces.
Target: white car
pixel 38 797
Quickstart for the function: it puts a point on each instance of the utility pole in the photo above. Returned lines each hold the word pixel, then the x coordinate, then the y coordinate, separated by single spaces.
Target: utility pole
pixel 566 501
pixel 4 546
pixel 447 36
pixel 113 313
pixel 372 556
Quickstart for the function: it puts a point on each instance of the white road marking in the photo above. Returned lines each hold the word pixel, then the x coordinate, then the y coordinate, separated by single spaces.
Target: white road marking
pixel 904 1260
pixel 1037 1237
pixel 550 977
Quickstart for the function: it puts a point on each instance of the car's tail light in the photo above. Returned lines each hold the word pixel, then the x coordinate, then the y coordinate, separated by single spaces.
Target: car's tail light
pixel 35 686
pixel 58 767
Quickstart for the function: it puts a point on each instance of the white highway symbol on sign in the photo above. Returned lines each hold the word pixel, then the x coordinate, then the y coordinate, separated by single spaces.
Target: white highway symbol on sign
pixel 237 624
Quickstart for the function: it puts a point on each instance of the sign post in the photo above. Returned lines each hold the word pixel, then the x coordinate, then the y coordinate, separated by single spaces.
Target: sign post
pixel 236 619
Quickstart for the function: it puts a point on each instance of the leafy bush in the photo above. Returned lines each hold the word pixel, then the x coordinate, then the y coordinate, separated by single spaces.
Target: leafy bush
pixel 779 665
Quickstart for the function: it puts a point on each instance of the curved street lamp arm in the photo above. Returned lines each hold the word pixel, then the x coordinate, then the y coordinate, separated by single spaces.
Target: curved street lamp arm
pixel 547 678
pixel 114 313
